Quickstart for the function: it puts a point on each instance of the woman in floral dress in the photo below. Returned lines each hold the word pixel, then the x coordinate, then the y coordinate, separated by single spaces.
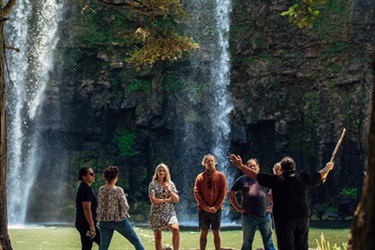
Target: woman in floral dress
pixel 163 194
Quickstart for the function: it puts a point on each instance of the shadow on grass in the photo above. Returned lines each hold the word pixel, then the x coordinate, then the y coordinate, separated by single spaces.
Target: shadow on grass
pixel 339 224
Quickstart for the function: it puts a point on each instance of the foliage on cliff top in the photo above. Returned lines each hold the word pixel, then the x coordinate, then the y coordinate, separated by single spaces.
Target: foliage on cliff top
pixel 155 36
pixel 159 44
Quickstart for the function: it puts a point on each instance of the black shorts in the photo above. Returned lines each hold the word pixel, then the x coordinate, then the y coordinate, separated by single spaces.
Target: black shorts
pixel 207 219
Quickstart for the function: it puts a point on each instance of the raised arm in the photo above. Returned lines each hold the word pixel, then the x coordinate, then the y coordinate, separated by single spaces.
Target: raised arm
pixel 237 161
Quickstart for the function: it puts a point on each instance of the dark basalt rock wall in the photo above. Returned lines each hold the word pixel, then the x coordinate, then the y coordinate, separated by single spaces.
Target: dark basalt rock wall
pixel 293 91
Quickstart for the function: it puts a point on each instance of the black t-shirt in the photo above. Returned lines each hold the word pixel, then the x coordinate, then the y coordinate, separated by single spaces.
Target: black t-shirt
pixel 254 196
pixel 85 193
pixel 290 193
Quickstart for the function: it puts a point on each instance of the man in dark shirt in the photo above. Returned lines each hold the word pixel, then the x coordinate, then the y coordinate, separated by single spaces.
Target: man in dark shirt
pixel 290 200
pixel 254 208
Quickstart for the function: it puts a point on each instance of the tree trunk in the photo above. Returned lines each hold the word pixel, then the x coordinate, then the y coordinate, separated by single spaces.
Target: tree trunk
pixel 4 236
pixel 363 225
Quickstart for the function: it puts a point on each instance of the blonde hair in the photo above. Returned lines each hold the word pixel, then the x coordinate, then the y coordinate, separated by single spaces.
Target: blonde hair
pixel 167 177
pixel 277 165
pixel 206 156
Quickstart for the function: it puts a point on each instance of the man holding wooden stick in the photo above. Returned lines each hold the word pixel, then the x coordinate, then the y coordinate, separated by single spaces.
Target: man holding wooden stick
pixel 290 197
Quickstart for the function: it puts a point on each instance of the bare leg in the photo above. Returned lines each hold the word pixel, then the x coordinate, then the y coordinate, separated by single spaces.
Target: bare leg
pixel 157 237
pixel 175 236
pixel 203 239
pixel 217 239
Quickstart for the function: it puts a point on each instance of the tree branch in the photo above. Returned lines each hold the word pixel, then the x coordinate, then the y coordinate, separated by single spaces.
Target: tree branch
pixel 12 48
pixel 132 4
pixel 8 7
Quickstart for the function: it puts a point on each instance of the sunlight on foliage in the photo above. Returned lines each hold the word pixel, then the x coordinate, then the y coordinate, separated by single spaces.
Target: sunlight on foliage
pixel 157 37
pixel 304 14
pixel 159 45
pixel 324 245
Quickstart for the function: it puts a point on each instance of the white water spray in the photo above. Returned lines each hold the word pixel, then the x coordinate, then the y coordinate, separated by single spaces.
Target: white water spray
pixel 207 106
pixel 220 73
pixel 29 74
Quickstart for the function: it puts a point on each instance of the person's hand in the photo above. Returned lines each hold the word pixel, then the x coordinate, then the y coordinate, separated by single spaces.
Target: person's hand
pixel 92 232
pixel 330 165
pixel 236 160
pixel 269 209
pixel 167 186
pixel 206 208
pixel 169 199
pixel 241 210
pixel 212 210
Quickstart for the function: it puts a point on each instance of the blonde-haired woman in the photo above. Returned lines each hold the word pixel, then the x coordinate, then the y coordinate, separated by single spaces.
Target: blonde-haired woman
pixel 277 170
pixel 163 194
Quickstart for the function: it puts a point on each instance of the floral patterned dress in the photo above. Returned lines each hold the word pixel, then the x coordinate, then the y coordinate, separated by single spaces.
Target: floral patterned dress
pixel 161 215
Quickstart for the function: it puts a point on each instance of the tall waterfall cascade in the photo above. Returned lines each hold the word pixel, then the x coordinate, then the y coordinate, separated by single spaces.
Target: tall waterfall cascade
pixel 32 28
pixel 206 127
pixel 220 73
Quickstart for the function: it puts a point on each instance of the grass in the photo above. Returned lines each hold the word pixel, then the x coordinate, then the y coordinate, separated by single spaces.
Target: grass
pixel 64 238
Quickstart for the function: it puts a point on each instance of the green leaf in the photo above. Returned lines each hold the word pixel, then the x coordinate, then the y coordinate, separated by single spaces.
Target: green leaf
pixel 285 13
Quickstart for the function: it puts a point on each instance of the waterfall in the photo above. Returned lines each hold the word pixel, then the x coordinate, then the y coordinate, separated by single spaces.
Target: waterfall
pixel 207 102
pixel 221 79
pixel 33 28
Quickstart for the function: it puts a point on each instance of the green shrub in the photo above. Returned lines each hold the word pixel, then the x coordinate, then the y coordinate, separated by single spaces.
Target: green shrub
pixel 141 85
pixel 125 141
pixel 349 191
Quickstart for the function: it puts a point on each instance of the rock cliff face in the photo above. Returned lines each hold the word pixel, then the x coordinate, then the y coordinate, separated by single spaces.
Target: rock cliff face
pixel 292 91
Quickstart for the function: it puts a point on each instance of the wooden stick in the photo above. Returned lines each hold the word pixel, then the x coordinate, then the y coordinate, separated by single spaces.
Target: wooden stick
pixel 338 144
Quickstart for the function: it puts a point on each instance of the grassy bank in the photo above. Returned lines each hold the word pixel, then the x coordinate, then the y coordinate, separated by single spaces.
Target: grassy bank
pixel 61 238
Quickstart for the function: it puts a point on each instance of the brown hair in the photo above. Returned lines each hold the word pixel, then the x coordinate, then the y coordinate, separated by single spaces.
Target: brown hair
pixel 110 173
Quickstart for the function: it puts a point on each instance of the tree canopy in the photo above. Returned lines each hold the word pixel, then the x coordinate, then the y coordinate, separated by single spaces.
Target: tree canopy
pixel 158 36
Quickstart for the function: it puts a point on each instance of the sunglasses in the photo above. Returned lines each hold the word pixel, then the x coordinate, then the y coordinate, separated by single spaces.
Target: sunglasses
pixel 92 174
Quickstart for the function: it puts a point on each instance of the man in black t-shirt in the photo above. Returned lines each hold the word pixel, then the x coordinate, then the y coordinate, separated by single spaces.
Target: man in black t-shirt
pixel 290 200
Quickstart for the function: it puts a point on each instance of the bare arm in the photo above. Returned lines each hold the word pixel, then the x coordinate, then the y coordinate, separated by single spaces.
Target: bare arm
pixel 88 214
pixel 233 200
pixel 156 201
pixel 173 195
pixel 237 161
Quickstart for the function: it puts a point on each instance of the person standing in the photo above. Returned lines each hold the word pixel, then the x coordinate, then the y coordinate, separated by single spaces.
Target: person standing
pixel 86 204
pixel 290 200
pixel 112 212
pixel 254 206
pixel 210 190
pixel 163 194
